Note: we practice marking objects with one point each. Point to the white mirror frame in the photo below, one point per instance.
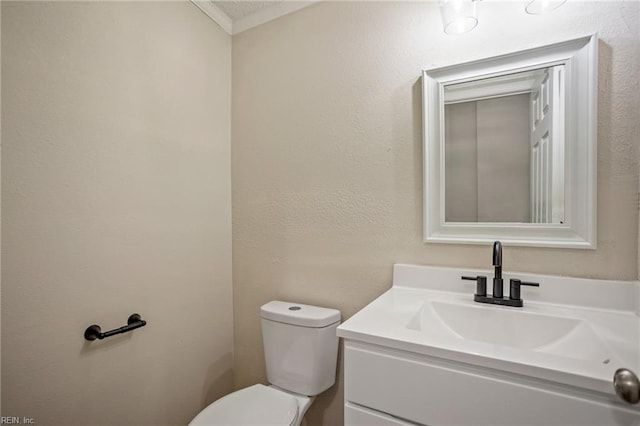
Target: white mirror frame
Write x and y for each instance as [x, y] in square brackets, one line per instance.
[579, 57]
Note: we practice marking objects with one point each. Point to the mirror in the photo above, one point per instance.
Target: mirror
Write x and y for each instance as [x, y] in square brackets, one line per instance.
[510, 148]
[504, 148]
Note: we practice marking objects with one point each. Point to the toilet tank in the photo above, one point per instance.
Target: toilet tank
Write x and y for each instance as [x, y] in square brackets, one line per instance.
[300, 346]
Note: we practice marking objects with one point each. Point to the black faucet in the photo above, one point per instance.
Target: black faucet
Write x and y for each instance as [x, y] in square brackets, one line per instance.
[497, 263]
[497, 297]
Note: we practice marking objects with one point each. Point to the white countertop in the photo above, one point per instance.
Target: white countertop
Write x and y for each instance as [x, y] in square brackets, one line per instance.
[608, 310]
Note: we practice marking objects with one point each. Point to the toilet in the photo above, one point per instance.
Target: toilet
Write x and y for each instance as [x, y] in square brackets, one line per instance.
[301, 351]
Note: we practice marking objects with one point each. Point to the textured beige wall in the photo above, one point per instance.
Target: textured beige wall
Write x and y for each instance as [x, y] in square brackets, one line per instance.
[327, 154]
[116, 199]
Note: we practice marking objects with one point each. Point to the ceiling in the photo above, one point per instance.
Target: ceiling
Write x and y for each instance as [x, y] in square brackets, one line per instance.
[237, 16]
[240, 9]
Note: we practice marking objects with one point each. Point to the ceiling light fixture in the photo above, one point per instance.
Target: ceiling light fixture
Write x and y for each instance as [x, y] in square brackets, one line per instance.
[459, 16]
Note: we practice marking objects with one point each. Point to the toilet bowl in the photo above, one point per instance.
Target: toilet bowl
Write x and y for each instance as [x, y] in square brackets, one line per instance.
[301, 349]
[255, 405]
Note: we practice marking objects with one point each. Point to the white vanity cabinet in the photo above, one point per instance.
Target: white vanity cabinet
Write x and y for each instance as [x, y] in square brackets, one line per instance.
[386, 386]
[426, 353]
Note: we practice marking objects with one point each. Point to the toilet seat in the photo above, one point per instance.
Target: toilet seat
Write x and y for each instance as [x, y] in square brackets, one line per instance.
[255, 405]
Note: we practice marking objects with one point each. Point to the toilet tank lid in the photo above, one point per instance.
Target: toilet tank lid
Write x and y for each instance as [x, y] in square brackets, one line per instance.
[299, 314]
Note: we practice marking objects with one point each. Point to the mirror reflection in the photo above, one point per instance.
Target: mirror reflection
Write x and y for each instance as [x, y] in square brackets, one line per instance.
[504, 148]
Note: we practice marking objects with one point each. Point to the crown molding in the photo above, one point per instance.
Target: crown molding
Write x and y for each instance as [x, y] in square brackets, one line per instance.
[253, 20]
[216, 14]
[269, 14]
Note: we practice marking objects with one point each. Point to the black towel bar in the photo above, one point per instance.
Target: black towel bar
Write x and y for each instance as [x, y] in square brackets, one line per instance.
[94, 331]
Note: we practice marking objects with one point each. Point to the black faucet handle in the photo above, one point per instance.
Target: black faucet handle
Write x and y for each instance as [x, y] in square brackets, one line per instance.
[514, 287]
[481, 284]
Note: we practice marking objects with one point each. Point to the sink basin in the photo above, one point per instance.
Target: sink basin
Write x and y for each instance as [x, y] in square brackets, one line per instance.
[509, 327]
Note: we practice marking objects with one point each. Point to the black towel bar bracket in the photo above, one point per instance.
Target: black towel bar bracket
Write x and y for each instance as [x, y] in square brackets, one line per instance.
[94, 331]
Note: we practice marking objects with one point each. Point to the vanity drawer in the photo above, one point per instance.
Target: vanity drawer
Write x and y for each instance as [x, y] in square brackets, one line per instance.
[355, 415]
[438, 392]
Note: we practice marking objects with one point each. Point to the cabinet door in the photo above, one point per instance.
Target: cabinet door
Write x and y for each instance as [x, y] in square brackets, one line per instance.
[437, 392]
